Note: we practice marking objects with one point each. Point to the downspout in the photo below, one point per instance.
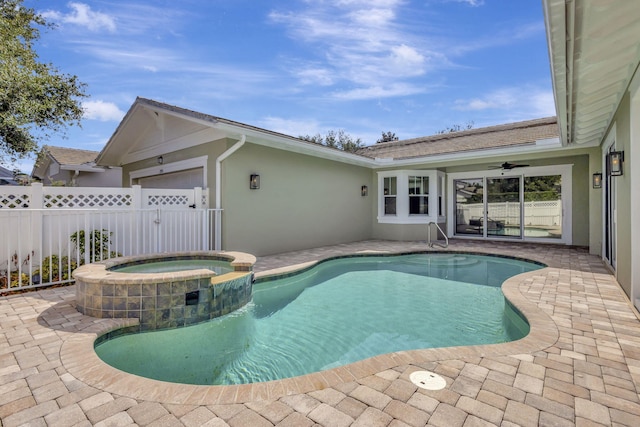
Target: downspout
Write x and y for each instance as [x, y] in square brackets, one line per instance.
[218, 223]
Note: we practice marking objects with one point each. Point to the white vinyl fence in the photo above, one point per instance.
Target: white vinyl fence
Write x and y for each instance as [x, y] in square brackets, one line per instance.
[539, 213]
[46, 232]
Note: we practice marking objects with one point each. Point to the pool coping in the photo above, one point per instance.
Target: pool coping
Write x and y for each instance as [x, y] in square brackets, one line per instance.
[79, 358]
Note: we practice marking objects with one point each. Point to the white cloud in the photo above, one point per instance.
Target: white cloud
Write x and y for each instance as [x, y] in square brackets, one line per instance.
[377, 92]
[83, 16]
[102, 111]
[315, 75]
[528, 101]
[473, 3]
[291, 127]
[358, 43]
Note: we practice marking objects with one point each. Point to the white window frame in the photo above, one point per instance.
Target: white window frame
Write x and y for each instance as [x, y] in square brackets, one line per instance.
[566, 171]
[402, 216]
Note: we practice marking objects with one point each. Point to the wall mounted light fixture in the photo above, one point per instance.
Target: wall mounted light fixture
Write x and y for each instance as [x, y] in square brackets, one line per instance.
[364, 190]
[254, 181]
[160, 160]
[616, 158]
[597, 180]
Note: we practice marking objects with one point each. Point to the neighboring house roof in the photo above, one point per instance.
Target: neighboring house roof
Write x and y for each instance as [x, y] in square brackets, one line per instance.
[493, 137]
[71, 156]
[67, 158]
[594, 53]
[5, 173]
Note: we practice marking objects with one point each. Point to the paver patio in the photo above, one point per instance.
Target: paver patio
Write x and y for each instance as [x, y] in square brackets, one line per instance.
[580, 365]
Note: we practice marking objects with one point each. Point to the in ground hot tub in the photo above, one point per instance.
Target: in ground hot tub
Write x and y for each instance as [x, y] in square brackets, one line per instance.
[165, 290]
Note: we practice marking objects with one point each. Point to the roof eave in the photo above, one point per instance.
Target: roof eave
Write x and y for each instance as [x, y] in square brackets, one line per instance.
[487, 153]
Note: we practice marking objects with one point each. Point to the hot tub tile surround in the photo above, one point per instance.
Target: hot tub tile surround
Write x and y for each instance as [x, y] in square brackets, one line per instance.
[164, 300]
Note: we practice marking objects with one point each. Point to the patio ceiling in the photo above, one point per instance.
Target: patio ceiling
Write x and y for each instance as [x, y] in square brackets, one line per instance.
[594, 53]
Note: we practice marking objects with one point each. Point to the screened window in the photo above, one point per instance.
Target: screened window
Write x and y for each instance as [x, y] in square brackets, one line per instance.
[390, 195]
[418, 195]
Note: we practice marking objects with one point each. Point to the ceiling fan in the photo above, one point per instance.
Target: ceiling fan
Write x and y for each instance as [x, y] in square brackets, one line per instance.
[508, 166]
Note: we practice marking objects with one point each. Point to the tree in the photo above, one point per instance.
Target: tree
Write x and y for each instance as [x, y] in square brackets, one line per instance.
[455, 128]
[340, 140]
[35, 98]
[387, 137]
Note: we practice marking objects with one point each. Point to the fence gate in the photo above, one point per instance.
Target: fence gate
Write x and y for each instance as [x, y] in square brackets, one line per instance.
[46, 232]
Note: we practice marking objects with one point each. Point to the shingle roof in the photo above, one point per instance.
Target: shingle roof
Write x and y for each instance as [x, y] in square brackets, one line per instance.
[507, 135]
[71, 156]
[5, 173]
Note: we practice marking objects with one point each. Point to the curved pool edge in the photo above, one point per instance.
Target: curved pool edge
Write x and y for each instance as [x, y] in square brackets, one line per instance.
[79, 358]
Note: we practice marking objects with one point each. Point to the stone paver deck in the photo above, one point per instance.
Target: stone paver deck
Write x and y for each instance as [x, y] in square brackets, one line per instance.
[580, 365]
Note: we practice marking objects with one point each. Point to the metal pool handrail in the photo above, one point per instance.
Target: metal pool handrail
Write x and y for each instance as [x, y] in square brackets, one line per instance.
[432, 244]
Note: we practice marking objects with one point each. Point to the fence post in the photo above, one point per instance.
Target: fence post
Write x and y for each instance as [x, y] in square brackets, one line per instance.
[136, 220]
[36, 205]
[197, 197]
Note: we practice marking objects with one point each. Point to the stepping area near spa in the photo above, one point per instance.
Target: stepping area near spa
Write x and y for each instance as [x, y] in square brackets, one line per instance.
[579, 366]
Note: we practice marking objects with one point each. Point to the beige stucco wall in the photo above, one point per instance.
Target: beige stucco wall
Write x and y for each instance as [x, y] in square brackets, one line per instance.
[580, 197]
[303, 202]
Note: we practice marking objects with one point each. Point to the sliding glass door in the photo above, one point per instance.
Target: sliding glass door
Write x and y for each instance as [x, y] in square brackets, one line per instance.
[469, 210]
[504, 207]
[510, 207]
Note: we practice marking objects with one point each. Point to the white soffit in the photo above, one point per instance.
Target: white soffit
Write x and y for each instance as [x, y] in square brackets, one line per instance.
[595, 51]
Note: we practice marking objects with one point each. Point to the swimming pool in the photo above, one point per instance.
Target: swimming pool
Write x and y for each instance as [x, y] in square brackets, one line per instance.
[338, 312]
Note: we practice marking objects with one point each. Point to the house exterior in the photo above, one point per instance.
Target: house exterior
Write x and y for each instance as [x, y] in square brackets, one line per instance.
[594, 48]
[72, 167]
[530, 181]
[6, 177]
[311, 195]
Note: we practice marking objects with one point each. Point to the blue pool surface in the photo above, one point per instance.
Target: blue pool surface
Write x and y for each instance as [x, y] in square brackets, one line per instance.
[338, 312]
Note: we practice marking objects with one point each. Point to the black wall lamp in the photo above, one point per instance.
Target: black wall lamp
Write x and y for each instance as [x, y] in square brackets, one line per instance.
[364, 190]
[597, 180]
[616, 158]
[254, 181]
[160, 160]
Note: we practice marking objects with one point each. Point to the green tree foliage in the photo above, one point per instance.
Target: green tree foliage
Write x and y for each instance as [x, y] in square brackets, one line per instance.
[35, 98]
[539, 188]
[336, 139]
[387, 137]
[455, 128]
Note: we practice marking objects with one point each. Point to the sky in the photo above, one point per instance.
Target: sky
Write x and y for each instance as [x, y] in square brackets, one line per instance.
[303, 67]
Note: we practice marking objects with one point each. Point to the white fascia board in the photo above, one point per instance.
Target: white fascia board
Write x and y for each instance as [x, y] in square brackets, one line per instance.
[479, 154]
[293, 145]
[81, 168]
[179, 115]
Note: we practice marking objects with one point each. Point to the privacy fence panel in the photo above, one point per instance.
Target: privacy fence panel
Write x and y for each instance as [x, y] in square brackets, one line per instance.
[46, 232]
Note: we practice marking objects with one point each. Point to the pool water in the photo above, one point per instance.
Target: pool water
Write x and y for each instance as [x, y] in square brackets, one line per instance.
[339, 312]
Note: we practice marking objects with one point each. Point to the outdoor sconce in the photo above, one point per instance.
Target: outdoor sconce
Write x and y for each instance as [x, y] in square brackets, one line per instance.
[254, 181]
[160, 160]
[597, 180]
[364, 190]
[616, 158]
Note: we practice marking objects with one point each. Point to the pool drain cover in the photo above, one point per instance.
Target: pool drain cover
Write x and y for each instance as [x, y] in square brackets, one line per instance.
[428, 380]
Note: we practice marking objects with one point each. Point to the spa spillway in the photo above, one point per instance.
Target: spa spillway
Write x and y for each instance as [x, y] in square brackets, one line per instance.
[165, 290]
